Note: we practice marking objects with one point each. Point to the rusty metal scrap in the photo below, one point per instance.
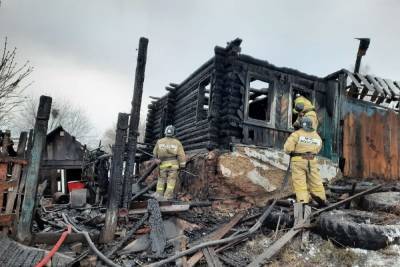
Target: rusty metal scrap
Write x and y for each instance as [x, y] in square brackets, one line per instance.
[370, 145]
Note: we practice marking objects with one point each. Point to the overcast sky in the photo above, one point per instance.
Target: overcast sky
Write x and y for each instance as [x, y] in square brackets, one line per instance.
[85, 51]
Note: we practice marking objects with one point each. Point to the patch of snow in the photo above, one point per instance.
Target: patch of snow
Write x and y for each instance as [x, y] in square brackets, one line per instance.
[358, 250]
[392, 233]
[327, 169]
[378, 258]
[312, 251]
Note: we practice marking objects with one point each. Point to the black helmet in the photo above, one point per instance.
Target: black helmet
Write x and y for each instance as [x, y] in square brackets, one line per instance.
[306, 124]
[169, 131]
[299, 106]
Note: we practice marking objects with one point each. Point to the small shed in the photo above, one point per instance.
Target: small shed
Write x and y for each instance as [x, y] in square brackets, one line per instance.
[62, 160]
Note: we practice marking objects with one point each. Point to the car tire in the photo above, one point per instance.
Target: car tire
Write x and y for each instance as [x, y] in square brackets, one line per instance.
[360, 229]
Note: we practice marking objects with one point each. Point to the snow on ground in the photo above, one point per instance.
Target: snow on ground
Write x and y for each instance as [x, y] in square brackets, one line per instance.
[320, 252]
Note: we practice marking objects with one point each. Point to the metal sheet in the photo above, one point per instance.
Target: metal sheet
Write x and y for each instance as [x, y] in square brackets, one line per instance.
[371, 146]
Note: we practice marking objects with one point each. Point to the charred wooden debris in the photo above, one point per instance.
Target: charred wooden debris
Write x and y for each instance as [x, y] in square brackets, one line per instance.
[232, 205]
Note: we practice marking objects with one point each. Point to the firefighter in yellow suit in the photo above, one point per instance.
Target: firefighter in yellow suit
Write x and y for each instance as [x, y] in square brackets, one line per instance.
[304, 108]
[303, 145]
[169, 151]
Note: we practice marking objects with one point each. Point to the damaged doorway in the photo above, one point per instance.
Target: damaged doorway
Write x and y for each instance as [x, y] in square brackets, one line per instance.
[259, 99]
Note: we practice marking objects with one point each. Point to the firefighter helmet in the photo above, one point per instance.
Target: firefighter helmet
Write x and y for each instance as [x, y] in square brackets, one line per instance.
[306, 124]
[169, 131]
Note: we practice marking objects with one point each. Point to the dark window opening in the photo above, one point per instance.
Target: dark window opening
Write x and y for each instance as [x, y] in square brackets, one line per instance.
[259, 100]
[207, 89]
[203, 107]
[251, 135]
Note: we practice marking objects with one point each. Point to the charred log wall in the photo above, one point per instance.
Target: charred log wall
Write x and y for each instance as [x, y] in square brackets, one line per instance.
[191, 108]
[211, 106]
[156, 119]
[187, 107]
[234, 72]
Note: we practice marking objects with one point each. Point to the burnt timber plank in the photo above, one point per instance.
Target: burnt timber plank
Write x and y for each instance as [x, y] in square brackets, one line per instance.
[384, 86]
[367, 85]
[274, 248]
[376, 85]
[32, 176]
[3, 177]
[218, 234]
[211, 257]
[183, 244]
[305, 234]
[111, 251]
[16, 173]
[157, 234]
[393, 88]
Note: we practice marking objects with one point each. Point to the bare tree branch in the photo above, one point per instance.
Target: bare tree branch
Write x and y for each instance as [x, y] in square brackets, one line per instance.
[11, 77]
[72, 118]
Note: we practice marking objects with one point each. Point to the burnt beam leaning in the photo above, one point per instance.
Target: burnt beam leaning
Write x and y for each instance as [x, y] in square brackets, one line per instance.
[24, 233]
[134, 120]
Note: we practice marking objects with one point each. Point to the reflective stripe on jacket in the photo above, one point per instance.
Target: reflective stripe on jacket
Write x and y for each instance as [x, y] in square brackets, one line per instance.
[171, 153]
[302, 142]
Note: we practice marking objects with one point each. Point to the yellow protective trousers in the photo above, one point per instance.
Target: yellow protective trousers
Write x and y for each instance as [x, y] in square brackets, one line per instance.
[168, 176]
[306, 179]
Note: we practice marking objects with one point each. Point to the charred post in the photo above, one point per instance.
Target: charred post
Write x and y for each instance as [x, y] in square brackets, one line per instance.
[115, 185]
[157, 234]
[32, 177]
[134, 120]
[362, 50]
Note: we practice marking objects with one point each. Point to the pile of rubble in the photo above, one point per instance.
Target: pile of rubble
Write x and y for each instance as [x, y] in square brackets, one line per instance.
[217, 233]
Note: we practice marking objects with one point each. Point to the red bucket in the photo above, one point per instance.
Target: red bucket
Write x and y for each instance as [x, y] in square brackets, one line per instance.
[74, 185]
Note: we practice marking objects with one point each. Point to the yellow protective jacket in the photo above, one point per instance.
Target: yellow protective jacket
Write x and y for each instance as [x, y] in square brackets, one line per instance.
[302, 141]
[309, 111]
[171, 153]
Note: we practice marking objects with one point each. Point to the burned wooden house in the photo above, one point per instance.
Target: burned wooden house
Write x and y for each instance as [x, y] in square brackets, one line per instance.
[62, 160]
[237, 99]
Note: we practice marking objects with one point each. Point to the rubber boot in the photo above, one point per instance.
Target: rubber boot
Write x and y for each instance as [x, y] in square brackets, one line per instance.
[321, 203]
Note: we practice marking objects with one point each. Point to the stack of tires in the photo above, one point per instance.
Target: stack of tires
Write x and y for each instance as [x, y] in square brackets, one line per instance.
[374, 227]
